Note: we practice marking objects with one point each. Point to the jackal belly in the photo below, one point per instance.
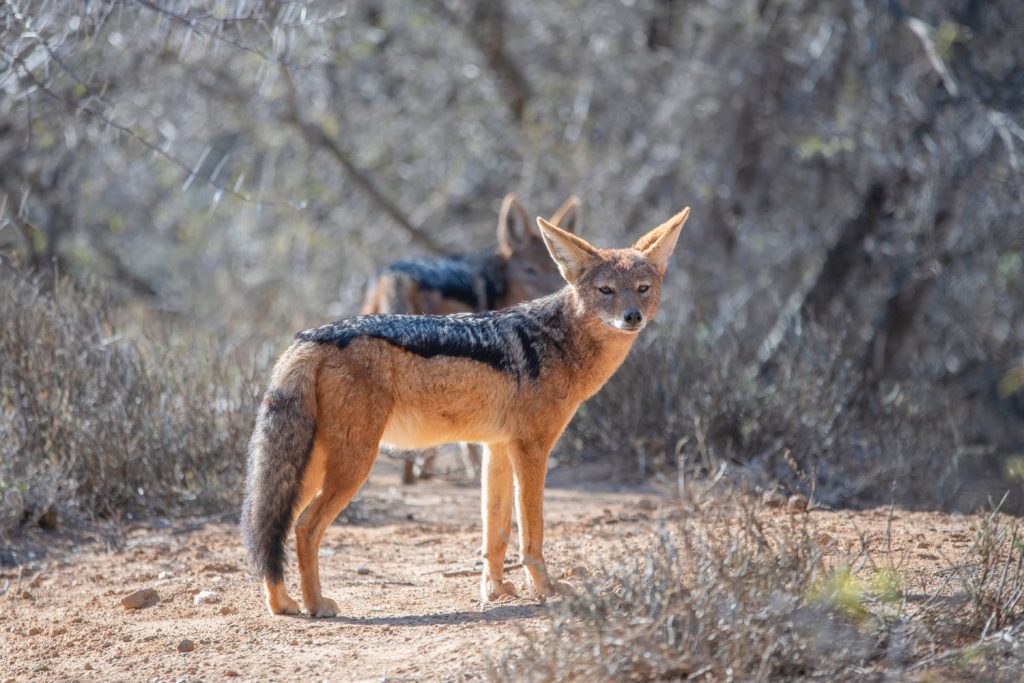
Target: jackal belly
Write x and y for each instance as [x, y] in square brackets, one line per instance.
[408, 428]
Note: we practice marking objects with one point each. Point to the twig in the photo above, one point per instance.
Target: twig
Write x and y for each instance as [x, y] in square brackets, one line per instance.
[383, 582]
[193, 24]
[1005, 634]
[925, 33]
[888, 519]
[151, 146]
[470, 571]
[196, 524]
[316, 136]
[486, 32]
[1004, 126]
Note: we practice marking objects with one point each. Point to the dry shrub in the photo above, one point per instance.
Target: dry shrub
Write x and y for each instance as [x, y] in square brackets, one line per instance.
[722, 594]
[683, 400]
[716, 599]
[92, 423]
[995, 582]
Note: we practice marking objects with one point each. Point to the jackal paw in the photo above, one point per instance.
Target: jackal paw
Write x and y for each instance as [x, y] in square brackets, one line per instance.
[549, 589]
[324, 607]
[282, 604]
[494, 591]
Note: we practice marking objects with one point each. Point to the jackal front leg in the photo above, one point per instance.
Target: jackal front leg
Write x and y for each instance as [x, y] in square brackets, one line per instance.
[530, 469]
[347, 468]
[496, 509]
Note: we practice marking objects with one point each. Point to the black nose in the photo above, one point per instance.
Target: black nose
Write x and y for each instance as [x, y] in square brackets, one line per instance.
[633, 316]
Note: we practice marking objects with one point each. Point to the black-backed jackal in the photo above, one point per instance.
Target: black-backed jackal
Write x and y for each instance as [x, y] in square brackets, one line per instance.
[518, 270]
[510, 379]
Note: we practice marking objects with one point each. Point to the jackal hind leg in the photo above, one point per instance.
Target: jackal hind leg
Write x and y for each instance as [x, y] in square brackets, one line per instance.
[425, 463]
[278, 599]
[470, 455]
[408, 470]
[348, 465]
[496, 509]
[417, 465]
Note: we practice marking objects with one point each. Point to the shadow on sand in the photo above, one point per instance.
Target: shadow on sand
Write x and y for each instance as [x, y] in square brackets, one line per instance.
[497, 613]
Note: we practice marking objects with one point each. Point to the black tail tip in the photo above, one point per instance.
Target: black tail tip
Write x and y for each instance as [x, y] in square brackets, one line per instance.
[265, 547]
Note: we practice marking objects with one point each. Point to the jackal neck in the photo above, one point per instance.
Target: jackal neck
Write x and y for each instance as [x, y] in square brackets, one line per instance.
[595, 350]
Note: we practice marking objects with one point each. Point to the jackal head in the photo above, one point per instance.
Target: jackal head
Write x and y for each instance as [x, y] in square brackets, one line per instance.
[619, 287]
[529, 271]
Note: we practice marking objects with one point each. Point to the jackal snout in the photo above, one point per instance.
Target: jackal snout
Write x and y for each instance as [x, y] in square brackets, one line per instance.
[632, 318]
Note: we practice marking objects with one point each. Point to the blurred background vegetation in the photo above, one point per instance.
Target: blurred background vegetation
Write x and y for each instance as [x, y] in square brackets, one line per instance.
[184, 184]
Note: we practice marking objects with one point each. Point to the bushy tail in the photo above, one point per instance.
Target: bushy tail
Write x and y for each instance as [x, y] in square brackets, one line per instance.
[278, 454]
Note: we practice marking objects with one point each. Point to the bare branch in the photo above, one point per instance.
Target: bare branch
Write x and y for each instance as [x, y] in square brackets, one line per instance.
[148, 144]
[193, 24]
[812, 303]
[316, 136]
[486, 32]
[122, 272]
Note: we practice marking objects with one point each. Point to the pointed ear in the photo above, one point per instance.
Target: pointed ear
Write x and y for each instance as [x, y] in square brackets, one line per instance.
[568, 215]
[572, 254]
[514, 231]
[658, 244]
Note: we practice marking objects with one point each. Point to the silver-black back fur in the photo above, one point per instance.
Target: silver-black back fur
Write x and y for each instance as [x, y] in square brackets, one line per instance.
[477, 280]
[514, 340]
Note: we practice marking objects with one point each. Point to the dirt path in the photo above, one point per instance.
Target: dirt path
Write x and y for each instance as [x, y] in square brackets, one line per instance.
[403, 619]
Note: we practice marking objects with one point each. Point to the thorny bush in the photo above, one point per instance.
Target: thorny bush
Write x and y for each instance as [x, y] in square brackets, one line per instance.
[93, 424]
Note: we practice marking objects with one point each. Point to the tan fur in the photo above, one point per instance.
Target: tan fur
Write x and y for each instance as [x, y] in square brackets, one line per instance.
[372, 392]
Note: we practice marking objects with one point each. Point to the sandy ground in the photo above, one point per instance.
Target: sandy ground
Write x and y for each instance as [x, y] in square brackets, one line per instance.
[403, 619]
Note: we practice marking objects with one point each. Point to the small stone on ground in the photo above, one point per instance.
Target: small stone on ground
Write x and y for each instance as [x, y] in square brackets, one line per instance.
[145, 597]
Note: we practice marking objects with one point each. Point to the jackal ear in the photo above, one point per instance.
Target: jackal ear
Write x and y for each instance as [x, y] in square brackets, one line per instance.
[572, 254]
[568, 215]
[514, 230]
[658, 244]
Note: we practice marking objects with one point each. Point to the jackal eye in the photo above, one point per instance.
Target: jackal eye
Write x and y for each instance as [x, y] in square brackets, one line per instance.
[643, 288]
[605, 289]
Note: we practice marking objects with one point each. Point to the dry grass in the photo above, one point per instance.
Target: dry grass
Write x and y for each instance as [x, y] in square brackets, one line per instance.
[712, 599]
[718, 595]
[995, 583]
[92, 423]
